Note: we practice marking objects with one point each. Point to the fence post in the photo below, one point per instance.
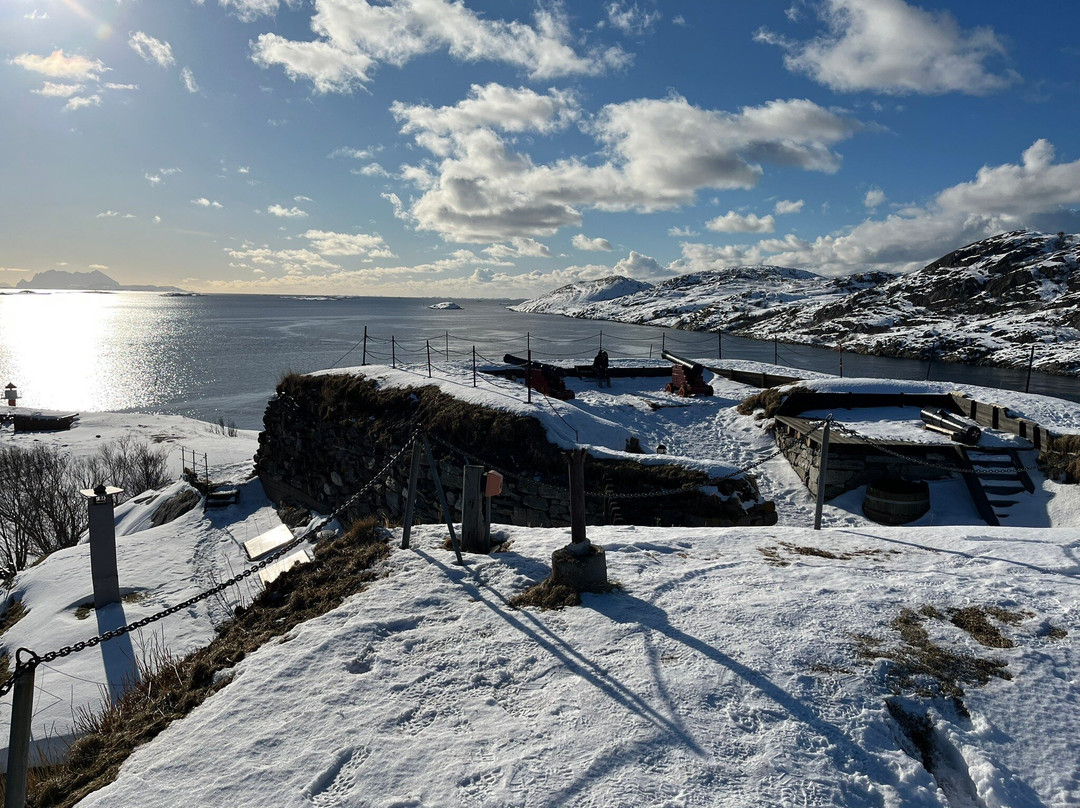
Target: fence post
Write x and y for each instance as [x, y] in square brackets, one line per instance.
[1031, 361]
[446, 336]
[601, 339]
[363, 361]
[719, 344]
[474, 533]
[428, 344]
[448, 517]
[474, 366]
[841, 346]
[929, 363]
[22, 712]
[410, 500]
[775, 355]
[393, 352]
[823, 470]
[528, 376]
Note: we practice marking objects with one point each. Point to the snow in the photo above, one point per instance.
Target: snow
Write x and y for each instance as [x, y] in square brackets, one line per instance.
[723, 671]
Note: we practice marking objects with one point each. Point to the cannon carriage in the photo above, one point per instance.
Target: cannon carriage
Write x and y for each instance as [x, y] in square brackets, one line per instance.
[687, 377]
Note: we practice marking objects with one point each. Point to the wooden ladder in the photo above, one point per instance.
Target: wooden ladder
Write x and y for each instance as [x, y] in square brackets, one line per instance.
[994, 493]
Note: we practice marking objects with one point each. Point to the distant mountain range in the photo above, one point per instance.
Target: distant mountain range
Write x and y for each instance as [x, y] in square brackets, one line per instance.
[987, 303]
[84, 281]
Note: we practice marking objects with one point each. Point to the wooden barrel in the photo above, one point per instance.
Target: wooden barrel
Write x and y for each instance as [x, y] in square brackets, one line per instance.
[896, 502]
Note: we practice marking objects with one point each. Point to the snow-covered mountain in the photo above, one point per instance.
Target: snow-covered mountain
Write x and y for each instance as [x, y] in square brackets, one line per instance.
[583, 293]
[94, 280]
[986, 303]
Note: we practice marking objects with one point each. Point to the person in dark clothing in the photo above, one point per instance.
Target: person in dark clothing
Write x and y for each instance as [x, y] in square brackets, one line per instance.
[600, 365]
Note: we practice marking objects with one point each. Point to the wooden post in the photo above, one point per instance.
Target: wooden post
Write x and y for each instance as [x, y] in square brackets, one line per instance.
[393, 352]
[22, 711]
[447, 516]
[474, 366]
[576, 462]
[1031, 361]
[719, 344]
[363, 361]
[474, 534]
[775, 354]
[841, 346]
[929, 363]
[663, 342]
[823, 471]
[601, 339]
[428, 344]
[410, 501]
[446, 336]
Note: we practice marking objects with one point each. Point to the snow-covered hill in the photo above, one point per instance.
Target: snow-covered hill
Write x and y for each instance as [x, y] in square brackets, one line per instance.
[987, 303]
[583, 293]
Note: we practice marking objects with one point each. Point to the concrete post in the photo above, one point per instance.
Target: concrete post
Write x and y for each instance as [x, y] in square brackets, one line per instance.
[410, 500]
[474, 532]
[580, 565]
[22, 710]
[100, 501]
[576, 461]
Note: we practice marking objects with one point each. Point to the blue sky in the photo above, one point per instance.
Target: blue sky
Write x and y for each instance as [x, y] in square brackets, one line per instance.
[501, 149]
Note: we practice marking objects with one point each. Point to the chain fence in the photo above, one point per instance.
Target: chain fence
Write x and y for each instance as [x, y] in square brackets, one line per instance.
[33, 659]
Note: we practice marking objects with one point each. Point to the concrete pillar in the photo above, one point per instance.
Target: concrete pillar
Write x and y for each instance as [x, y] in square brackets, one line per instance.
[580, 565]
[474, 528]
[101, 501]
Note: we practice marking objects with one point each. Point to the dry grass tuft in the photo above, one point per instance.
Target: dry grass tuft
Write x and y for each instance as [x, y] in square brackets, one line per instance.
[170, 688]
[768, 400]
[546, 595]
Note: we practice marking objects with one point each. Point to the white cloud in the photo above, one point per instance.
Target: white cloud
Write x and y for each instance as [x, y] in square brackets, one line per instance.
[356, 35]
[36, 15]
[583, 242]
[289, 261]
[330, 243]
[78, 102]
[681, 232]
[54, 90]
[891, 47]
[203, 202]
[659, 154]
[59, 65]
[107, 214]
[631, 20]
[188, 79]
[248, 10]
[518, 248]
[786, 206]
[371, 170]
[153, 179]
[732, 222]
[356, 154]
[286, 213]
[101, 267]
[157, 220]
[113, 86]
[1037, 193]
[873, 198]
[641, 267]
[151, 49]
[300, 198]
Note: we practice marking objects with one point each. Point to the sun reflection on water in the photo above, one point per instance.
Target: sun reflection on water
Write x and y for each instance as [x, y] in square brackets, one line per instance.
[88, 351]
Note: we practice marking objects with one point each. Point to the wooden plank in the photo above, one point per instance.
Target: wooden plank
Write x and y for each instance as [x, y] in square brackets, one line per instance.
[270, 573]
[266, 543]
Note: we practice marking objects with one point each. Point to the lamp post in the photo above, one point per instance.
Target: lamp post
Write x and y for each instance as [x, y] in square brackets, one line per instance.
[100, 501]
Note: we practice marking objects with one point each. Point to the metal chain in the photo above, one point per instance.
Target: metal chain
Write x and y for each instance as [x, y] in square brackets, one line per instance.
[938, 466]
[67, 650]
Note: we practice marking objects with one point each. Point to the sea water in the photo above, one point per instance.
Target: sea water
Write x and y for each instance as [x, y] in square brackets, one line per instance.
[219, 356]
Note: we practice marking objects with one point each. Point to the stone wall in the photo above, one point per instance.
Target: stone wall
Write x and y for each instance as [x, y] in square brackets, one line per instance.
[325, 436]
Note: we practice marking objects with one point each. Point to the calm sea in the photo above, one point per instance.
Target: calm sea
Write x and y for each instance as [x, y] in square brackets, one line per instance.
[220, 356]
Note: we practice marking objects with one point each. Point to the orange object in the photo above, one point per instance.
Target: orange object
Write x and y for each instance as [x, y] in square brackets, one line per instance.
[492, 484]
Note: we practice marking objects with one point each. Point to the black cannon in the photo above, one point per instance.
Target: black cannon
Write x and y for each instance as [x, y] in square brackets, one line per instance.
[545, 379]
[686, 377]
[951, 424]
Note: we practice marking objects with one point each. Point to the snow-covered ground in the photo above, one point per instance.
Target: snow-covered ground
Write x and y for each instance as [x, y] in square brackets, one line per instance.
[732, 667]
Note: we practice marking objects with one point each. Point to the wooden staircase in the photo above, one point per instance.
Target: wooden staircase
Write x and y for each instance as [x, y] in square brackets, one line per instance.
[995, 478]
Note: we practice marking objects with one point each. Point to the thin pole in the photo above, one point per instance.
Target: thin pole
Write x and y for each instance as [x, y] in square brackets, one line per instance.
[601, 339]
[823, 470]
[428, 343]
[841, 345]
[446, 336]
[775, 359]
[719, 344]
[410, 501]
[447, 515]
[576, 466]
[393, 352]
[929, 363]
[528, 376]
[1031, 361]
[474, 366]
[663, 342]
[364, 360]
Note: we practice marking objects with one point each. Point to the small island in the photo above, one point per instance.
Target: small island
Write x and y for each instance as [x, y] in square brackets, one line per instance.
[445, 305]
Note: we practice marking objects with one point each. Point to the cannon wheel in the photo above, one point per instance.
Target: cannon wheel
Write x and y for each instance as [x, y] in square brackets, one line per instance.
[668, 388]
[683, 391]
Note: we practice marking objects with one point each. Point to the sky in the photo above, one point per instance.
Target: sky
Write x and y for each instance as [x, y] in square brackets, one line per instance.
[475, 148]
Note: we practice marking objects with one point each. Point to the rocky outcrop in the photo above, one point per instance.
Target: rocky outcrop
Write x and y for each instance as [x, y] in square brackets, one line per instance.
[326, 436]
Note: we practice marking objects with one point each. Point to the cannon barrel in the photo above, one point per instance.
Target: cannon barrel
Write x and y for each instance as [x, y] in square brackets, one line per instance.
[693, 367]
[950, 424]
[550, 370]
